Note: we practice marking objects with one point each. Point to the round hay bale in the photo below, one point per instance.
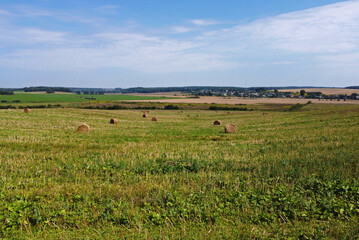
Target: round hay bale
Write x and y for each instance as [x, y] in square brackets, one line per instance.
[230, 128]
[265, 113]
[27, 110]
[217, 122]
[83, 128]
[114, 121]
[188, 115]
[154, 119]
[145, 115]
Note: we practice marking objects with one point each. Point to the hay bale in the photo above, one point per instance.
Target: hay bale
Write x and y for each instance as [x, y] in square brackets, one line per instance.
[228, 112]
[83, 128]
[217, 122]
[114, 121]
[145, 115]
[188, 115]
[230, 128]
[265, 113]
[154, 119]
[27, 110]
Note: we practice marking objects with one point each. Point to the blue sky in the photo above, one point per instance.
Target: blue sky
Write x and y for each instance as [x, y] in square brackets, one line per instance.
[179, 43]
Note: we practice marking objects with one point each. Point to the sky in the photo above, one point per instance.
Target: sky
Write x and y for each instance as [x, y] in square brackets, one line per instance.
[159, 43]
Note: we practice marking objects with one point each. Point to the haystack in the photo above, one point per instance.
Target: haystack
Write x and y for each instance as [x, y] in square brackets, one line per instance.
[217, 122]
[230, 128]
[114, 121]
[27, 110]
[145, 115]
[154, 119]
[83, 128]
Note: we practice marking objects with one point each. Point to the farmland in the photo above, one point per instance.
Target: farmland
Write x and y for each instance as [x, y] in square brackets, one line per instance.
[68, 98]
[249, 101]
[327, 91]
[285, 174]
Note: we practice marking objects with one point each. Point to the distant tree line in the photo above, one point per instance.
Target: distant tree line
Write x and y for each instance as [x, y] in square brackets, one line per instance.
[31, 106]
[47, 89]
[353, 87]
[6, 92]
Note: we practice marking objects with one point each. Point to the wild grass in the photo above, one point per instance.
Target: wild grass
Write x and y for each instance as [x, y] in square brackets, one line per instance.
[286, 174]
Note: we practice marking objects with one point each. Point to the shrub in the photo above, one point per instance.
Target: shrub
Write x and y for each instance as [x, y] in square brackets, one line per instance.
[295, 107]
[229, 108]
[171, 107]
[7, 107]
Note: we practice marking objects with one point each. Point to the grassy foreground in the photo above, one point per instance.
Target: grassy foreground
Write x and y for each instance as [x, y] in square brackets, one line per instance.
[287, 174]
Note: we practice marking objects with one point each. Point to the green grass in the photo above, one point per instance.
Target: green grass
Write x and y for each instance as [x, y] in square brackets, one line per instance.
[52, 98]
[287, 174]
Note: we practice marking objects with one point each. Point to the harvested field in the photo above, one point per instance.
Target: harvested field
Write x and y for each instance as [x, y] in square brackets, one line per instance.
[327, 91]
[182, 177]
[249, 101]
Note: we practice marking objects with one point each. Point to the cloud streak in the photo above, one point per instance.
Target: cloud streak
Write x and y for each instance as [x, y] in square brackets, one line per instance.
[204, 22]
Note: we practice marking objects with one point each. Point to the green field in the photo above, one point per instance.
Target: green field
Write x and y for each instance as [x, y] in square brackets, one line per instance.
[65, 98]
[282, 175]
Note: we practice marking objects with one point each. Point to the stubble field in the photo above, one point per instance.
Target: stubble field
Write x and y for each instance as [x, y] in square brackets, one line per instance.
[327, 91]
[249, 101]
[285, 174]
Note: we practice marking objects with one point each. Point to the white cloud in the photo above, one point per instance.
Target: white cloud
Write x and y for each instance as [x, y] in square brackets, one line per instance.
[40, 36]
[28, 36]
[331, 28]
[203, 22]
[131, 51]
